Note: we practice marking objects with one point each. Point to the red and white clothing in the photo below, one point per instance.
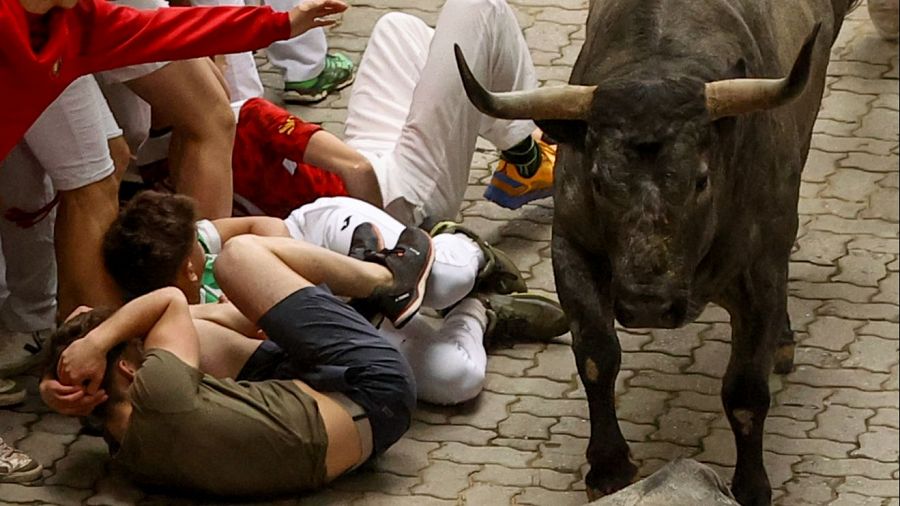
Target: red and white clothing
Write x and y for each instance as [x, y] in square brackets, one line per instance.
[97, 35]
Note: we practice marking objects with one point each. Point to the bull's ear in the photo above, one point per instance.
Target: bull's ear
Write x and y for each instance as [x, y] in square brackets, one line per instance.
[564, 131]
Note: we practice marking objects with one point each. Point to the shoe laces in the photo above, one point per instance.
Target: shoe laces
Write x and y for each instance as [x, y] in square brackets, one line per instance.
[38, 345]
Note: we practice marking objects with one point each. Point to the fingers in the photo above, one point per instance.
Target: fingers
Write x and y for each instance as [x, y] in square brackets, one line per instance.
[323, 22]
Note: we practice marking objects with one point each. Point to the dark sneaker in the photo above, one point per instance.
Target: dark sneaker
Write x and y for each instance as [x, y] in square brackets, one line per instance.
[338, 73]
[366, 242]
[499, 274]
[17, 467]
[410, 263]
[522, 317]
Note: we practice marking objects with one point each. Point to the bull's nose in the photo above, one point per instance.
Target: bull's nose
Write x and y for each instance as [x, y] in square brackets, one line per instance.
[650, 310]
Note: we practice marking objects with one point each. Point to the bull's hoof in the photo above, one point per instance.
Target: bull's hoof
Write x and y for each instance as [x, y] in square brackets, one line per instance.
[603, 481]
[749, 493]
[784, 358]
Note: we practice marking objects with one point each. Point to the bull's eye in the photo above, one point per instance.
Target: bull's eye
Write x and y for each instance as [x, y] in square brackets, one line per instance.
[701, 183]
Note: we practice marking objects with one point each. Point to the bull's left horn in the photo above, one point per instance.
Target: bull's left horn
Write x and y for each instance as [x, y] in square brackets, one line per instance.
[732, 97]
[553, 102]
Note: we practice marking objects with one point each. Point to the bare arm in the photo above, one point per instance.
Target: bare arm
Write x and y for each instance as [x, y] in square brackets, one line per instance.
[163, 316]
[255, 225]
[330, 153]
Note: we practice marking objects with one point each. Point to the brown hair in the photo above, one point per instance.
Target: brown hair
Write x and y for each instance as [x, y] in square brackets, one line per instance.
[69, 332]
[149, 241]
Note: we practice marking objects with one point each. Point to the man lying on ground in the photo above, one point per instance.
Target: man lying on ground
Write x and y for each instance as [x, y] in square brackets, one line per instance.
[339, 394]
[155, 243]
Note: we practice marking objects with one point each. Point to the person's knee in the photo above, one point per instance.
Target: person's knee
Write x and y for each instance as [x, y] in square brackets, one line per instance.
[392, 23]
[235, 256]
[455, 382]
[472, 6]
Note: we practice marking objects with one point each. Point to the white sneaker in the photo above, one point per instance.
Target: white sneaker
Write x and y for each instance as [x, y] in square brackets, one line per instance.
[20, 351]
[17, 467]
[10, 393]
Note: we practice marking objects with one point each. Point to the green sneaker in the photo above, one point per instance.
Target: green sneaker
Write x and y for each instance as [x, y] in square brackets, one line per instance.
[522, 317]
[338, 73]
[499, 274]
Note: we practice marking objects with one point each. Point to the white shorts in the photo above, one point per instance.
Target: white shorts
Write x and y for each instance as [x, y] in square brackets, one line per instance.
[69, 139]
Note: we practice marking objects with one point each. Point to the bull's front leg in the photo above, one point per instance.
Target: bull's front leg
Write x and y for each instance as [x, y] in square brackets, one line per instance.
[583, 288]
[758, 306]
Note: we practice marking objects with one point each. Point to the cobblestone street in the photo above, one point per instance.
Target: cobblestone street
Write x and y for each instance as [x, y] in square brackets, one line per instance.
[832, 432]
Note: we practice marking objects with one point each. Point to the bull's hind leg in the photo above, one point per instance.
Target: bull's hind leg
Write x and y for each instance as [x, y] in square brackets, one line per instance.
[583, 293]
[784, 349]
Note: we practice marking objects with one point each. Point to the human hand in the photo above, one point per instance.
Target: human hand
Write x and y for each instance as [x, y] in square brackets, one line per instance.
[83, 364]
[312, 14]
[70, 400]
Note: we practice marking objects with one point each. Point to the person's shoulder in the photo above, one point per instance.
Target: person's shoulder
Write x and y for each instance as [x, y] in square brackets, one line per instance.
[165, 383]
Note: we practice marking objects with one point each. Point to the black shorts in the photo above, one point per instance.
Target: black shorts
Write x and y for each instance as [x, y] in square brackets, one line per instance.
[318, 339]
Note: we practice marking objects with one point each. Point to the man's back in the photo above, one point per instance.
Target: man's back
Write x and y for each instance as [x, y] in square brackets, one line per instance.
[193, 431]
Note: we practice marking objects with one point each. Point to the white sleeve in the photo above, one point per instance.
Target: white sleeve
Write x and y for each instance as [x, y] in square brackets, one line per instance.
[208, 235]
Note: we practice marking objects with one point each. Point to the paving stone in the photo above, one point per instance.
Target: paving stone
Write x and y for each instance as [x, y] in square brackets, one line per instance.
[520, 478]
[464, 454]
[45, 447]
[889, 417]
[13, 425]
[677, 382]
[823, 466]
[486, 493]
[508, 366]
[820, 247]
[879, 124]
[851, 499]
[840, 423]
[683, 427]
[872, 353]
[862, 268]
[485, 412]
[711, 359]
[445, 479]
[872, 444]
[809, 490]
[550, 408]
[542, 497]
[379, 499]
[697, 402]
[525, 386]
[868, 487]
[888, 289]
[853, 378]
[459, 433]
[851, 310]
[848, 226]
[45, 494]
[524, 426]
[832, 333]
[556, 362]
[641, 405]
[374, 481]
[678, 342]
[84, 464]
[562, 453]
[406, 457]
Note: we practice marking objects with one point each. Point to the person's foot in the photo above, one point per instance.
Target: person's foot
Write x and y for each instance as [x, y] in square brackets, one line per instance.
[20, 351]
[499, 274]
[522, 317]
[338, 73]
[365, 242]
[410, 263]
[10, 393]
[17, 467]
[509, 189]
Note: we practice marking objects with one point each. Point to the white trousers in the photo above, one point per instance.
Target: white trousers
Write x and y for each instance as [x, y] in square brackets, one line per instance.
[447, 356]
[408, 112]
[65, 149]
[302, 57]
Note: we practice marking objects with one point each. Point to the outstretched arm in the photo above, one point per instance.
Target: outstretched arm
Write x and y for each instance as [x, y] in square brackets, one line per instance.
[162, 318]
[121, 36]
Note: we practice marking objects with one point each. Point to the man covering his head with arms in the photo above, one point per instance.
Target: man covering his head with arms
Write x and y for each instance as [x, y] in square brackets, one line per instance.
[341, 394]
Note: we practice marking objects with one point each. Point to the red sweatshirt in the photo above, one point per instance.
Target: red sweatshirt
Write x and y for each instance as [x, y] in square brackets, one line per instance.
[96, 35]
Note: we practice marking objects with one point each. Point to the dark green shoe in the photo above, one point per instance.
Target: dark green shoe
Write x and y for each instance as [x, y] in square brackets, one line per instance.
[338, 73]
[522, 317]
[499, 274]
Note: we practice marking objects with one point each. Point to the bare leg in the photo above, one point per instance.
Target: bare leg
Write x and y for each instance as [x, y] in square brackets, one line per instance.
[188, 95]
[83, 217]
[258, 272]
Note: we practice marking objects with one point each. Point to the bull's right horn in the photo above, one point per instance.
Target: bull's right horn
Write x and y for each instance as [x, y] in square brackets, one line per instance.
[554, 102]
[732, 97]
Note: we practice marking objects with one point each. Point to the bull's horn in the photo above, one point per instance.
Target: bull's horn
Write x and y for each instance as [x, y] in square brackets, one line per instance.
[741, 96]
[554, 102]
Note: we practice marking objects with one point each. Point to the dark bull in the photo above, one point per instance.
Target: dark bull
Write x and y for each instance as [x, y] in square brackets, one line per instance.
[683, 134]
